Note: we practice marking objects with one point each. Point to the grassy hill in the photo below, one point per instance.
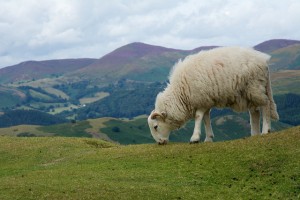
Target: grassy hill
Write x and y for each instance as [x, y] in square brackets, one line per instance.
[286, 58]
[262, 167]
[40, 69]
[10, 97]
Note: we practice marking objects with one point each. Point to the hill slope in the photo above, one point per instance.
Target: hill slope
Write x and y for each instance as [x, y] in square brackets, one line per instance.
[132, 61]
[272, 45]
[263, 167]
[40, 69]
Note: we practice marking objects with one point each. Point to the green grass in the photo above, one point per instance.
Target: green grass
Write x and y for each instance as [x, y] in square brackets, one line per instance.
[128, 132]
[38, 95]
[68, 129]
[263, 167]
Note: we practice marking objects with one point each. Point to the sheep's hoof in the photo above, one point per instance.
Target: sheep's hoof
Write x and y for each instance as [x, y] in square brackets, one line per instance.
[208, 139]
[194, 142]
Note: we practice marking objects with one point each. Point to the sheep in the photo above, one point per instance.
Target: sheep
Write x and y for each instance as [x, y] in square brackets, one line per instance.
[233, 77]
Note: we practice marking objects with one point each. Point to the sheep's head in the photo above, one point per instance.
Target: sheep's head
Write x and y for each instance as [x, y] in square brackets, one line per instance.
[159, 128]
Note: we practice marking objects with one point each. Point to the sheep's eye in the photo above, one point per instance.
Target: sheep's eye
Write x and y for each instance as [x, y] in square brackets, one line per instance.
[155, 127]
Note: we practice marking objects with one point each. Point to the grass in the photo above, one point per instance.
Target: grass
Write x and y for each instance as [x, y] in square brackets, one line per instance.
[97, 96]
[128, 131]
[68, 129]
[17, 130]
[262, 167]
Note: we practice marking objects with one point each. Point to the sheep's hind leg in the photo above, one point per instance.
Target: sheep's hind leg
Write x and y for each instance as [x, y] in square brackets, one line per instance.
[208, 129]
[197, 129]
[254, 121]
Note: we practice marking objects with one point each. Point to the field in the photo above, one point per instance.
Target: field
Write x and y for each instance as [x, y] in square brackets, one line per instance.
[261, 167]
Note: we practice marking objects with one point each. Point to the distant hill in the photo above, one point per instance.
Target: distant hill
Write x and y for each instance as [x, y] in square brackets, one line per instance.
[18, 117]
[272, 45]
[10, 97]
[30, 70]
[136, 61]
[286, 58]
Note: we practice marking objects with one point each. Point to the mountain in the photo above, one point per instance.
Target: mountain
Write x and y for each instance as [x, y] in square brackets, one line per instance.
[31, 70]
[135, 61]
[271, 45]
[286, 58]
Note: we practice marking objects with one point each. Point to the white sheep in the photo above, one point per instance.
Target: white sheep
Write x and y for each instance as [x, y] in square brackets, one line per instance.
[223, 77]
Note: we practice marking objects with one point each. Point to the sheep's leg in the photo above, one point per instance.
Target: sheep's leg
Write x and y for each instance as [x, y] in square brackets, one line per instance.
[208, 128]
[197, 129]
[266, 114]
[254, 121]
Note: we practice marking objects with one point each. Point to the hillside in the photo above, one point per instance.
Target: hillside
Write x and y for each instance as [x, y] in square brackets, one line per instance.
[262, 167]
[137, 61]
[272, 45]
[287, 58]
[31, 70]
[10, 97]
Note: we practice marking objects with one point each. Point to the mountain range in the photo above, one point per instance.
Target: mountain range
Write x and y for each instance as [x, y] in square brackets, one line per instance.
[136, 61]
[124, 83]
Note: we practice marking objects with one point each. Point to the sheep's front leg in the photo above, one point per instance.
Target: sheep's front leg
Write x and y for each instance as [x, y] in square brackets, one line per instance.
[266, 128]
[209, 132]
[197, 129]
[254, 121]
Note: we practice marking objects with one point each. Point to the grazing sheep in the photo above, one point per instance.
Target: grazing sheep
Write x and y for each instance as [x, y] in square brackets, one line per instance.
[223, 77]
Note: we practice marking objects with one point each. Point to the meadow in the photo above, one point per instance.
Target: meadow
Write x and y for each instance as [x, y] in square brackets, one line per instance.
[260, 167]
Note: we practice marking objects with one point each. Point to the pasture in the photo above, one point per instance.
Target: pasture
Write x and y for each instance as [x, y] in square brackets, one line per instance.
[260, 167]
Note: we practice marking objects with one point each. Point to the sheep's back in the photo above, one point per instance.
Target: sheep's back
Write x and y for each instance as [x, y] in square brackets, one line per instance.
[223, 77]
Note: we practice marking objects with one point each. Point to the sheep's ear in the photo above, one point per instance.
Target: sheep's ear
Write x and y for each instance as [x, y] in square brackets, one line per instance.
[162, 115]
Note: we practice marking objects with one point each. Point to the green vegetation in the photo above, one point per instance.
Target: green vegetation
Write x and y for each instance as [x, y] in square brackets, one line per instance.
[126, 99]
[10, 97]
[68, 130]
[286, 58]
[262, 167]
[128, 132]
[289, 108]
[33, 117]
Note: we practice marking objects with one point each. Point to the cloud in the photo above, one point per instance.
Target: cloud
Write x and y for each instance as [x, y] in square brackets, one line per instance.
[31, 30]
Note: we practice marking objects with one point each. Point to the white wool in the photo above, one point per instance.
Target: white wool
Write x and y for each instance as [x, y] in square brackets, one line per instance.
[223, 77]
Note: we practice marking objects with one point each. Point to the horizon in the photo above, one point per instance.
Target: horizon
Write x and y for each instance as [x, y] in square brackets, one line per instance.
[75, 29]
[74, 58]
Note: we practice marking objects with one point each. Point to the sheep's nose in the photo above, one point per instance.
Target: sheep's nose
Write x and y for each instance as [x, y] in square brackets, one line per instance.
[163, 142]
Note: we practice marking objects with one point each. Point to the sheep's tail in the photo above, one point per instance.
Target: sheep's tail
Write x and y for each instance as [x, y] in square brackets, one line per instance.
[273, 107]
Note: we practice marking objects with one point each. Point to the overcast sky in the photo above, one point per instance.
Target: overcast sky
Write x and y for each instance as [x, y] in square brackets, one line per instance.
[54, 29]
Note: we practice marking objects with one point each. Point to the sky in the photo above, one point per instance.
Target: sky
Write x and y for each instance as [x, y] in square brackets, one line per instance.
[57, 29]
